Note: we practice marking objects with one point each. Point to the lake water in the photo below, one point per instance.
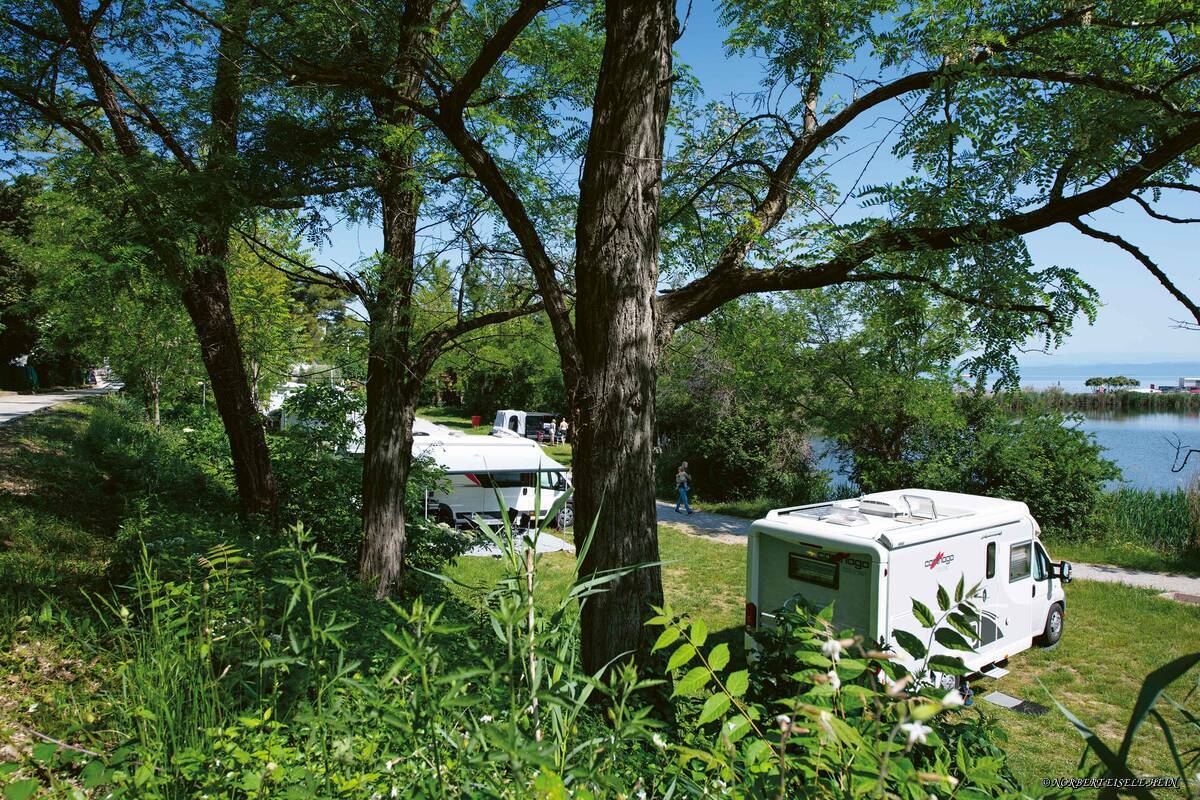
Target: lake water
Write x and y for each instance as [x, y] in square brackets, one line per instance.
[1137, 442]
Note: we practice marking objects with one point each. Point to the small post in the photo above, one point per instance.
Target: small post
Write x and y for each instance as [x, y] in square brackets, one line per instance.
[533, 700]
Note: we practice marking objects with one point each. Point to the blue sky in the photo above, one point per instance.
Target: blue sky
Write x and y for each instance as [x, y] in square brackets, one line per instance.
[1134, 323]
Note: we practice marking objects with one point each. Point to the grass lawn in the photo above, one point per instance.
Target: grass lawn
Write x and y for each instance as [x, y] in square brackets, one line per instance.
[452, 420]
[58, 514]
[1114, 636]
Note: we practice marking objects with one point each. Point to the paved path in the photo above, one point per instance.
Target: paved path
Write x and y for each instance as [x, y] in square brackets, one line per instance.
[713, 526]
[734, 530]
[14, 406]
[1162, 581]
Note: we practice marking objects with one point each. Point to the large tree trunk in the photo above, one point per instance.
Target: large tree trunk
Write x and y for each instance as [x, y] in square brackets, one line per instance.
[616, 279]
[393, 379]
[391, 409]
[206, 297]
[206, 285]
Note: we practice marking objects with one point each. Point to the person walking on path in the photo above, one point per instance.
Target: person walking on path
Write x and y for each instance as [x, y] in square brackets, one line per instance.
[683, 482]
[562, 431]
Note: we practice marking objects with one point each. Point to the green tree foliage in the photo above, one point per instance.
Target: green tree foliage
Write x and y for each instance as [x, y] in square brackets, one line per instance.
[1116, 382]
[16, 282]
[515, 366]
[274, 329]
[727, 394]
[886, 386]
[101, 296]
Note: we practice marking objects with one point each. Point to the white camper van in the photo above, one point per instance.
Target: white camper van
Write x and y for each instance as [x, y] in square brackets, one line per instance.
[528, 424]
[873, 556]
[485, 472]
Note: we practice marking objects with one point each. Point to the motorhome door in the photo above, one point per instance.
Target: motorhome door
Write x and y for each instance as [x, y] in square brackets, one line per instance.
[1043, 590]
[1006, 592]
[997, 628]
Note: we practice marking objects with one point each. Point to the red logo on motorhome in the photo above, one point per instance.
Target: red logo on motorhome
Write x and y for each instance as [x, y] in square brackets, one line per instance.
[940, 558]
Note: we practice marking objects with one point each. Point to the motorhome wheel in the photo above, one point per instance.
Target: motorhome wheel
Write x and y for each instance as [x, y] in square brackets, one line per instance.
[445, 515]
[1054, 626]
[565, 518]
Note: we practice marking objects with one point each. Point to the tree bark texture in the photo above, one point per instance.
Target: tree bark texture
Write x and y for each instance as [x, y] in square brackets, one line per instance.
[206, 297]
[206, 284]
[616, 279]
[391, 409]
[393, 379]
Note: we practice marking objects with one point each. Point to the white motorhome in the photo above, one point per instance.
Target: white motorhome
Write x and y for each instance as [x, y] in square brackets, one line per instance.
[489, 475]
[873, 556]
[527, 424]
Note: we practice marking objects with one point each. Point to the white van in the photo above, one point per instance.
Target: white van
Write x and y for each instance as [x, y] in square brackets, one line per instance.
[873, 556]
[527, 424]
[489, 475]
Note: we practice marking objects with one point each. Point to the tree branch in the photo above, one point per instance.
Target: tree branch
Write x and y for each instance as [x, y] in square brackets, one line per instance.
[953, 294]
[719, 286]
[491, 53]
[307, 273]
[435, 343]
[1145, 261]
[516, 215]
[1149, 209]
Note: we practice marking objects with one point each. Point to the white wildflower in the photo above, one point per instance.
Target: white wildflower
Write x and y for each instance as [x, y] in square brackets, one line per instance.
[659, 741]
[953, 699]
[784, 721]
[486, 718]
[641, 794]
[834, 680]
[916, 732]
[833, 649]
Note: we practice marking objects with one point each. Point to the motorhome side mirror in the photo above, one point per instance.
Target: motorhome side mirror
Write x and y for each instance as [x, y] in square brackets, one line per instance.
[1064, 571]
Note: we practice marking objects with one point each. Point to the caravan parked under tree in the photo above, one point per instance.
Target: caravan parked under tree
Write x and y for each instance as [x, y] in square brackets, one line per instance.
[488, 476]
[873, 556]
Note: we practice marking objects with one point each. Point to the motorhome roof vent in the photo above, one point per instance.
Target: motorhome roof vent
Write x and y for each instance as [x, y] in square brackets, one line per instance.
[846, 517]
[909, 508]
[878, 508]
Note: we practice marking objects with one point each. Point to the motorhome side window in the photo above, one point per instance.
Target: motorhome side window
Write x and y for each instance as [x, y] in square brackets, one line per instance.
[553, 480]
[1019, 561]
[1041, 564]
[991, 559]
[505, 480]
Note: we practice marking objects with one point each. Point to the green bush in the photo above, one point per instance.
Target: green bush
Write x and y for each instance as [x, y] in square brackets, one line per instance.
[528, 384]
[739, 455]
[1042, 459]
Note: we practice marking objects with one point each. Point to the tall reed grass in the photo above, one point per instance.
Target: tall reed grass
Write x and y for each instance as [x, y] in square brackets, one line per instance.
[1058, 400]
[1166, 521]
